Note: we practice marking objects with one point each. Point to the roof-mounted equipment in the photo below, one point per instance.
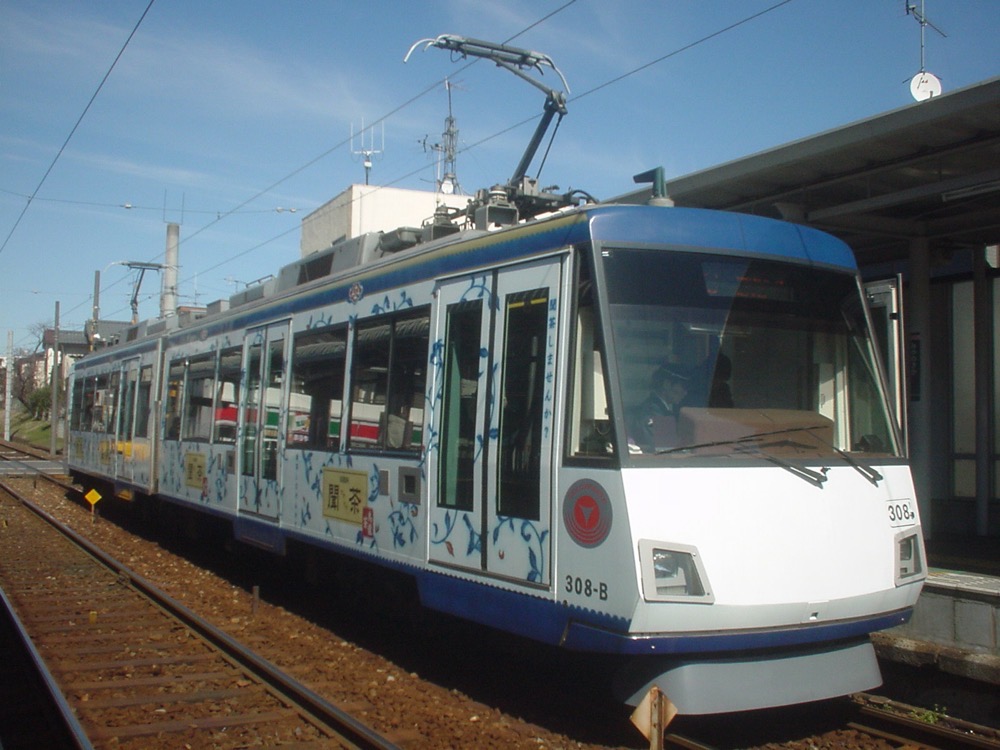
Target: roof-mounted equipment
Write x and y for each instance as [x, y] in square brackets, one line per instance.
[520, 198]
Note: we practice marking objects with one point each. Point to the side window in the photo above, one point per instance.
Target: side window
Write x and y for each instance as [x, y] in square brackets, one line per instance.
[227, 395]
[521, 410]
[369, 382]
[172, 413]
[317, 389]
[274, 372]
[111, 403]
[76, 417]
[590, 428]
[388, 382]
[408, 381]
[87, 419]
[143, 402]
[128, 404]
[102, 405]
[251, 414]
[462, 358]
[198, 397]
[263, 401]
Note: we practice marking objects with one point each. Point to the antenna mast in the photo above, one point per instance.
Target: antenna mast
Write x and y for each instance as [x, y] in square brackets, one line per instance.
[367, 153]
[447, 182]
[923, 85]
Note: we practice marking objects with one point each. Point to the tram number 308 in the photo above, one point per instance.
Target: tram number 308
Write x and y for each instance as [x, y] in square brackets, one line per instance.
[586, 587]
[901, 512]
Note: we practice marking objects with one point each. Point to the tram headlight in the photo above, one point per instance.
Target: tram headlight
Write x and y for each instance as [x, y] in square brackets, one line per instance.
[673, 572]
[909, 556]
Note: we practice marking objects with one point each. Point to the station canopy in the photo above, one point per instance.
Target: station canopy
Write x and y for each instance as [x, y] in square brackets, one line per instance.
[927, 170]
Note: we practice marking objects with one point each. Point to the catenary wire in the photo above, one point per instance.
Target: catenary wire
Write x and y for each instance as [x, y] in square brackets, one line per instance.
[320, 157]
[476, 144]
[381, 119]
[83, 114]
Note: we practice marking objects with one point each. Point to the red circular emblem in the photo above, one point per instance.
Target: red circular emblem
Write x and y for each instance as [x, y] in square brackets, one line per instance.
[587, 513]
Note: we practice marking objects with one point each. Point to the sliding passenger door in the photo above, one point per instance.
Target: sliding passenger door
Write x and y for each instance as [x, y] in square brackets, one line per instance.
[125, 469]
[263, 417]
[490, 456]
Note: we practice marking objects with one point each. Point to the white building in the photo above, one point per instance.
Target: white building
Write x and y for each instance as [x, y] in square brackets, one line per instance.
[369, 208]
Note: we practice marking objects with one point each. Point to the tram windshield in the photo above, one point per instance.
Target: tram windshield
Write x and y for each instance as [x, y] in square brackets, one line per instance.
[722, 355]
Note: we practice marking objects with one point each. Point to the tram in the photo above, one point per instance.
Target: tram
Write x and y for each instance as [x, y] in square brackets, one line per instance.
[653, 432]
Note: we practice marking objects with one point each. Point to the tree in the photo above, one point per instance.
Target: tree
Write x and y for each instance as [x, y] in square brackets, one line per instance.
[39, 402]
[27, 374]
[22, 376]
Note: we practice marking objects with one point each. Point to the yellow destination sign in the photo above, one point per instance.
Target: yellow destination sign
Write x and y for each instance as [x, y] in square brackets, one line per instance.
[345, 494]
[194, 470]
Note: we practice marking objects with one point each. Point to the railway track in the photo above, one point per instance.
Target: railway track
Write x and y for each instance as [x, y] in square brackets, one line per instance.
[140, 670]
[19, 459]
[33, 713]
[859, 721]
[908, 726]
[868, 724]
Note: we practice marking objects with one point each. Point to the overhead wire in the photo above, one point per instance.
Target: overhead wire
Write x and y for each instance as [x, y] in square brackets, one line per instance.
[138, 207]
[610, 82]
[83, 114]
[220, 215]
[629, 73]
[514, 126]
[238, 209]
[679, 50]
[338, 146]
[380, 120]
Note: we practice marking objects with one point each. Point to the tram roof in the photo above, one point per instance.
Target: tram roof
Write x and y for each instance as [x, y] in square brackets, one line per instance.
[927, 170]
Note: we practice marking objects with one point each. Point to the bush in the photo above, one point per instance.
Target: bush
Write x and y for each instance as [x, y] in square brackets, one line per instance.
[39, 402]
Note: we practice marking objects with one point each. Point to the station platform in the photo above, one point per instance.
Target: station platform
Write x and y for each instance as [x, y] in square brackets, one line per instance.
[956, 623]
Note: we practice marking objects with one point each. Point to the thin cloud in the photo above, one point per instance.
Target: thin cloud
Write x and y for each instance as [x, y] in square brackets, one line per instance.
[153, 172]
[58, 39]
[218, 75]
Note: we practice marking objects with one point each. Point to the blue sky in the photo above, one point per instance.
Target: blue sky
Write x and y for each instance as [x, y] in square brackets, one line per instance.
[219, 113]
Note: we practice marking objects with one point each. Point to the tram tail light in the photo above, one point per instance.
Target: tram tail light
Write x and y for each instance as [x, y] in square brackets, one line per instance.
[673, 573]
[909, 556]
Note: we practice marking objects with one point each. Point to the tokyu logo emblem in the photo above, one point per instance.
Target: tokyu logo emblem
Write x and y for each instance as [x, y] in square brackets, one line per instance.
[587, 513]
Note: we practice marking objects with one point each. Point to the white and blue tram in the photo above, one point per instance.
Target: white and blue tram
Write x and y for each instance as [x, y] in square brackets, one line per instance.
[467, 410]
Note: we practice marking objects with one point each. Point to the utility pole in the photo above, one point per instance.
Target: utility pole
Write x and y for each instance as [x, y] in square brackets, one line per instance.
[9, 384]
[54, 416]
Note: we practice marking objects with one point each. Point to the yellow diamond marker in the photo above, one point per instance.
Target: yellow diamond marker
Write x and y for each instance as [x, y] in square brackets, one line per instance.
[92, 497]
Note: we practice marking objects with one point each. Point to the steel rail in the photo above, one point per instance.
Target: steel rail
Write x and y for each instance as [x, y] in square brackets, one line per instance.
[890, 717]
[75, 733]
[324, 713]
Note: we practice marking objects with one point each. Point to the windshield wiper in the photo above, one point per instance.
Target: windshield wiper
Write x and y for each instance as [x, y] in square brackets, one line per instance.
[755, 437]
[745, 444]
[815, 478]
[868, 472]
